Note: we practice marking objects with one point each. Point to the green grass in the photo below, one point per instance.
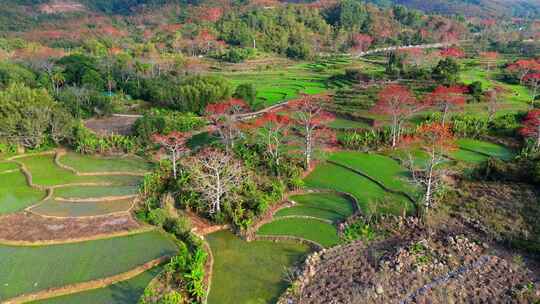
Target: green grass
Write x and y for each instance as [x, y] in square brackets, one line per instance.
[15, 194]
[92, 192]
[45, 172]
[326, 206]
[329, 176]
[274, 86]
[485, 147]
[468, 156]
[6, 166]
[342, 123]
[379, 167]
[52, 207]
[250, 273]
[315, 230]
[91, 163]
[419, 157]
[35, 268]
[128, 291]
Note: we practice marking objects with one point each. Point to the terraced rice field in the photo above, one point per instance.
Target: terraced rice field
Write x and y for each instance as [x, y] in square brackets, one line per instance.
[487, 148]
[34, 268]
[94, 191]
[332, 177]
[250, 272]
[345, 124]
[46, 173]
[326, 206]
[316, 230]
[274, 86]
[58, 208]
[90, 163]
[379, 167]
[15, 194]
[128, 291]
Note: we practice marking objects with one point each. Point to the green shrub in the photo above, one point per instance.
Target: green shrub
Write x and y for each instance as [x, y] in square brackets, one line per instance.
[157, 217]
[246, 92]
[165, 121]
[470, 126]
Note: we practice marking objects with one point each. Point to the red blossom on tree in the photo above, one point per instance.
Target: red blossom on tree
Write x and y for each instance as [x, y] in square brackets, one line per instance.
[452, 52]
[211, 14]
[273, 129]
[361, 42]
[223, 116]
[174, 143]
[531, 126]
[447, 99]
[311, 117]
[437, 140]
[523, 67]
[399, 103]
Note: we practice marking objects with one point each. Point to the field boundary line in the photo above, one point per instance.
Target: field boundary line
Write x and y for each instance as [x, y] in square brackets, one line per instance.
[280, 238]
[59, 153]
[95, 199]
[89, 285]
[481, 153]
[380, 184]
[304, 217]
[12, 158]
[95, 237]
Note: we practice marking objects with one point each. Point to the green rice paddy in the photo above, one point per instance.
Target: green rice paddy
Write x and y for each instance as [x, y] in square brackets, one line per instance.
[53, 207]
[128, 291]
[34, 268]
[487, 148]
[250, 273]
[327, 206]
[94, 191]
[315, 230]
[15, 194]
[379, 167]
[333, 177]
[8, 166]
[91, 163]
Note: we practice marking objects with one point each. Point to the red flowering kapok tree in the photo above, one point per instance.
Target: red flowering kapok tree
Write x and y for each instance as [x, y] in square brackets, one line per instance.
[399, 103]
[174, 143]
[223, 116]
[489, 59]
[452, 52]
[361, 42]
[311, 118]
[447, 99]
[531, 126]
[522, 68]
[437, 140]
[272, 131]
[533, 82]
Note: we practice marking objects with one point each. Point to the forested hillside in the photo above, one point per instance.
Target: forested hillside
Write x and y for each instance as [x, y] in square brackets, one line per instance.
[470, 8]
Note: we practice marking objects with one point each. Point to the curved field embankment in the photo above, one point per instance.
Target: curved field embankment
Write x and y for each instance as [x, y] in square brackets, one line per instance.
[50, 270]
